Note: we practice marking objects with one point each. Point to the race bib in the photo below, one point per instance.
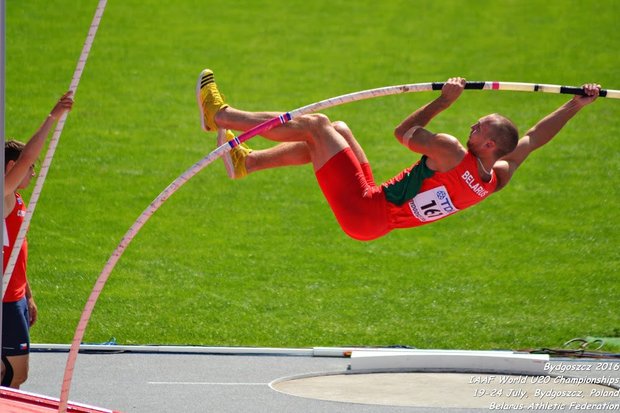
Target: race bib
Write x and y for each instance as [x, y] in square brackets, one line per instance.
[432, 205]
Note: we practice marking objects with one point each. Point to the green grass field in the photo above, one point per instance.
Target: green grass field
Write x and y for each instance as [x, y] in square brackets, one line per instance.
[262, 261]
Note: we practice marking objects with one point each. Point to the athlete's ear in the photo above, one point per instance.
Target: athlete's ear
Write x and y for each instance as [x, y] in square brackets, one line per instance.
[490, 144]
[9, 165]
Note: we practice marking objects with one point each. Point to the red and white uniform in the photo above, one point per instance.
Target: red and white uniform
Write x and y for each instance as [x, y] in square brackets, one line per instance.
[416, 196]
[16, 289]
[441, 194]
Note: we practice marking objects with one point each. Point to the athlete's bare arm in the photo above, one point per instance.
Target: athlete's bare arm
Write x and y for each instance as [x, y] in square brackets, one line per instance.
[14, 176]
[542, 133]
[443, 151]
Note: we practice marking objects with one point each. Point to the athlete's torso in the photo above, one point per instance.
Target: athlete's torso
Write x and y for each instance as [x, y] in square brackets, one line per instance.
[17, 286]
[418, 195]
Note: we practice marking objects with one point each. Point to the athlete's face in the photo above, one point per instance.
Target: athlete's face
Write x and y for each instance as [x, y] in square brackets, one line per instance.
[479, 134]
[26, 181]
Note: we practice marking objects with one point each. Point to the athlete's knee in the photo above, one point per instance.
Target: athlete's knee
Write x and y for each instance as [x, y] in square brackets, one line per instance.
[15, 371]
[315, 122]
[7, 372]
[19, 378]
[341, 127]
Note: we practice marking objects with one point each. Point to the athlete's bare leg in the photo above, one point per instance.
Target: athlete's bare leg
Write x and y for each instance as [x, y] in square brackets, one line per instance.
[231, 118]
[316, 130]
[344, 130]
[19, 364]
[297, 153]
[308, 138]
[283, 154]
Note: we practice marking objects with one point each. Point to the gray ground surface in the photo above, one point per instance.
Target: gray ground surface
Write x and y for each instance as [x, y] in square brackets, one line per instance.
[198, 383]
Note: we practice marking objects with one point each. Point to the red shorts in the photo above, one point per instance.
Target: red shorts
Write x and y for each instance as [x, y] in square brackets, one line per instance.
[357, 202]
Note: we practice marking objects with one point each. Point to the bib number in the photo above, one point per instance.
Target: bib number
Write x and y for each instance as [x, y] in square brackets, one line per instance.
[432, 205]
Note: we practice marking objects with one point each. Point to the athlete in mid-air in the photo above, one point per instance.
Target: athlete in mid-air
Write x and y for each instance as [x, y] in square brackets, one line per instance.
[448, 178]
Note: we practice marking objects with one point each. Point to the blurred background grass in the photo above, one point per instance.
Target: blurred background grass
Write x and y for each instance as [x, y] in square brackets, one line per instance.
[262, 261]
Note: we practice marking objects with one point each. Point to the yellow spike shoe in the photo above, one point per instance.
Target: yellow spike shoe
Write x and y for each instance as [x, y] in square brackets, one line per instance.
[210, 101]
[234, 160]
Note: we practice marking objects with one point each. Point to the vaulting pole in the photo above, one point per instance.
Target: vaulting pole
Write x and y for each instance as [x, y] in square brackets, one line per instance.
[2, 128]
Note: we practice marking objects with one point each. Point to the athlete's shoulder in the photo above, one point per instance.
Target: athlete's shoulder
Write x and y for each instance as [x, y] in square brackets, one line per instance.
[503, 173]
[447, 154]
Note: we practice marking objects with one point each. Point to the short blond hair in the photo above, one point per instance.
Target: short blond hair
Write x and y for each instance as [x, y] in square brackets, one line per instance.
[505, 134]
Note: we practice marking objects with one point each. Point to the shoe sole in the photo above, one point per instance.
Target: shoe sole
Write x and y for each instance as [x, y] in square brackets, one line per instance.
[221, 140]
[202, 118]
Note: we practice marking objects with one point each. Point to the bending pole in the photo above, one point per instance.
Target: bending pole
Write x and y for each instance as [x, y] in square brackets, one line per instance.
[263, 127]
[92, 31]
